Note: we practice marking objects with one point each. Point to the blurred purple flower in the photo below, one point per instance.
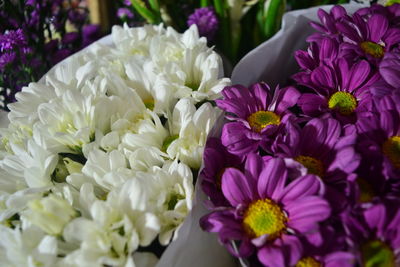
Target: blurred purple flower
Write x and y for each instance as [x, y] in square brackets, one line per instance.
[70, 38]
[206, 21]
[6, 58]
[90, 33]
[12, 39]
[124, 12]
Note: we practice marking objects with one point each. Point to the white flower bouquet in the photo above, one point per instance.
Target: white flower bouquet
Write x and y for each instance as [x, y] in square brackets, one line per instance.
[99, 159]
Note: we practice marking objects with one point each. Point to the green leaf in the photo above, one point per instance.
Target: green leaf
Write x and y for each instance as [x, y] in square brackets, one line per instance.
[147, 14]
[272, 17]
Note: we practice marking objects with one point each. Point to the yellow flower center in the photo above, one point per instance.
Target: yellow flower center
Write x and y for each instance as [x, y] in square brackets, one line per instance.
[261, 119]
[149, 103]
[264, 217]
[391, 2]
[377, 253]
[308, 262]
[372, 49]
[344, 102]
[313, 165]
[391, 149]
[367, 192]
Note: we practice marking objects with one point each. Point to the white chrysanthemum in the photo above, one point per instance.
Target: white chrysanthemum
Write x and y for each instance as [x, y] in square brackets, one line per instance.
[110, 230]
[32, 167]
[188, 131]
[169, 195]
[30, 247]
[50, 213]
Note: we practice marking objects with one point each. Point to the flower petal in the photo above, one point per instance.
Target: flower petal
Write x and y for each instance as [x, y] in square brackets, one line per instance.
[236, 187]
[272, 179]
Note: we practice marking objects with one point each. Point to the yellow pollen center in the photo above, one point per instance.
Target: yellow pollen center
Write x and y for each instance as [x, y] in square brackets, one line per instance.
[377, 253]
[367, 192]
[149, 103]
[261, 119]
[264, 217]
[308, 262]
[313, 165]
[344, 102]
[391, 149]
[373, 49]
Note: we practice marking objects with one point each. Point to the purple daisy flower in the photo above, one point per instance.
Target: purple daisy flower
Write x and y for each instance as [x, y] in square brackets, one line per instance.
[216, 160]
[256, 114]
[206, 21]
[371, 38]
[331, 155]
[374, 234]
[267, 214]
[391, 12]
[12, 39]
[328, 26]
[379, 134]
[340, 90]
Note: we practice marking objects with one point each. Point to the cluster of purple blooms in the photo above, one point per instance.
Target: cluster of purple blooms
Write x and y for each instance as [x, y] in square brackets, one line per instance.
[34, 36]
[309, 175]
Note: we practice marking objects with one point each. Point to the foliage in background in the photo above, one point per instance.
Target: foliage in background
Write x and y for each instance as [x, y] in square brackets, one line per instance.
[35, 35]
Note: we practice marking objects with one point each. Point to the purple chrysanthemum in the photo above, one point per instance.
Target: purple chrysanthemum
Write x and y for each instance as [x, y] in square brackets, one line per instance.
[216, 160]
[389, 69]
[12, 39]
[341, 90]
[374, 234]
[371, 38]
[206, 21]
[267, 214]
[328, 26]
[319, 53]
[331, 155]
[256, 114]
[379, 134]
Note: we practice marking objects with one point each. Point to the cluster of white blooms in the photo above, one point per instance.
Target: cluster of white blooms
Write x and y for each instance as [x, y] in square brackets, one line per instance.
[98, 160]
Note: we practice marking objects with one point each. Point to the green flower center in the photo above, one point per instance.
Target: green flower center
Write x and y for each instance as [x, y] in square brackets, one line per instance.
[376, 253]
[261, 119]
[391, 2]
[313, 165]
[344, 102]
[264, 217]
[308, 262]
[167, 142]
[149, 103]
[367, 192]
[372, 49]
[391, 149]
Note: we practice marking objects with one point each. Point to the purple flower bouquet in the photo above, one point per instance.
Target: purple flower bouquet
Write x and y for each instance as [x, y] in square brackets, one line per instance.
[306, 170]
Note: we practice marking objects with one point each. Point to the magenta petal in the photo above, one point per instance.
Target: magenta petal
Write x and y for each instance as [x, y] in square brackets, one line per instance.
[236, 187]
[260, 91]
[303, 186]
[254, 166]
[375, 217]
[272, 179]
[338, 11]
[305, 213]
[358, 75]
[234, 138]
[287, 98]
[271, 256]
[377, 25]
[312, 105]
[323, 77]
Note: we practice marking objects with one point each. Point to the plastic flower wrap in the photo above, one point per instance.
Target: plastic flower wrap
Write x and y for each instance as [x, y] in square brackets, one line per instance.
[307, 174]
[99, 159]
